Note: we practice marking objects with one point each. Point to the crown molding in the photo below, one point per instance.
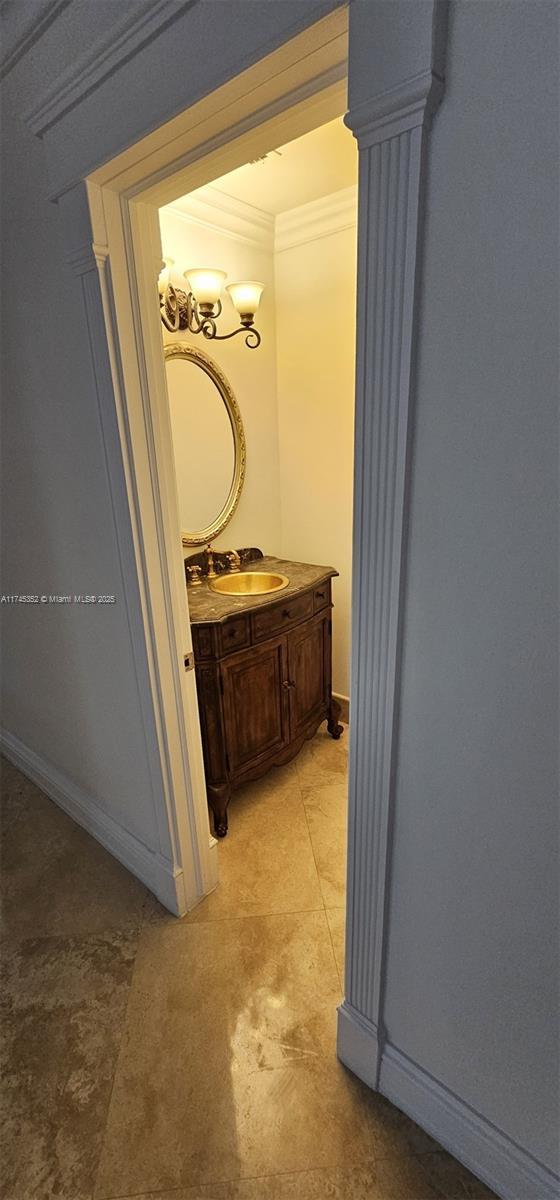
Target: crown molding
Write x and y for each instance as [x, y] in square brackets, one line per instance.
[221, 213]
[215, 210]
[317, 219]
[102, 59]
[32, 30]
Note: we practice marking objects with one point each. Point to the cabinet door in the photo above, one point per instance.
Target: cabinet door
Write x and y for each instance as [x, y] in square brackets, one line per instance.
[309, 660]
[256, 703]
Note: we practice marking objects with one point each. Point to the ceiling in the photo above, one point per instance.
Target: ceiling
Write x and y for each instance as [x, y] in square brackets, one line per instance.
[315, 165]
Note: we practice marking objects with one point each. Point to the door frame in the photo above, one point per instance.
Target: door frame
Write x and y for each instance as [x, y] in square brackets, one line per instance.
[112, 231]
[111, 227]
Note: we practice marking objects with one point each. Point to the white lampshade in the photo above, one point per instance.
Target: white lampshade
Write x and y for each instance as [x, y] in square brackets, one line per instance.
[246, 296]
[163, 279]
[205, 284]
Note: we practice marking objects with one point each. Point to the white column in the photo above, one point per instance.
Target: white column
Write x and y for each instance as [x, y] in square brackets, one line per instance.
[391, 133]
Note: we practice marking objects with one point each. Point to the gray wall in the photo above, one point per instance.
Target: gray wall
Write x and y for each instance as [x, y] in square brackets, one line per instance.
[69, 685]
[471, 978]
[469, 989]
[68, 679]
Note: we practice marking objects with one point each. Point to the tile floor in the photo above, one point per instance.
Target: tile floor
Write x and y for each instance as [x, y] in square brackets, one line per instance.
[193, 1059]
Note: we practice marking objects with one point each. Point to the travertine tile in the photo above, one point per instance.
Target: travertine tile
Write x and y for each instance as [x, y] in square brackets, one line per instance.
[252, 1085]
[63, 1005]
[236, 1124]
[413, 1178]
[336, 918]
[404, 1181]
[322, 759]
[326, 811]
[266, 861]
[57, 880]
[227, 1086]
[256, 993]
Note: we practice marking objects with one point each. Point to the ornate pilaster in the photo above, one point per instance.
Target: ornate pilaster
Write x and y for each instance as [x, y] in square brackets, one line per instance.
[391, 133]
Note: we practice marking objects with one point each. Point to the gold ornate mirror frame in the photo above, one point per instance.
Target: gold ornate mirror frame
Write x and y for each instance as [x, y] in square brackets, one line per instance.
[207, 364]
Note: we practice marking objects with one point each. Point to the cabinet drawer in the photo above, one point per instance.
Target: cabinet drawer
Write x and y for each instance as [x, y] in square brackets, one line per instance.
[269, 621]
[234, 634]
[322, 595]
[204, 644]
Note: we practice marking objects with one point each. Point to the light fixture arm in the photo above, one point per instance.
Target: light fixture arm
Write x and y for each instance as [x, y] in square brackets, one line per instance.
[180, 310]
[252, 340]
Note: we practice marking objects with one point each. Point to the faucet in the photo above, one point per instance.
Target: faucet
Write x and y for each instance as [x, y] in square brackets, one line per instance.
[234, 560]
[210, 572]
[193, 574]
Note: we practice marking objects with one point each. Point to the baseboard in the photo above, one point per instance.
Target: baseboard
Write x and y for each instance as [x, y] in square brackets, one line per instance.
[357, 1044]
[344, 702]
[498, 1161]
[150, 867]
[493, 1157]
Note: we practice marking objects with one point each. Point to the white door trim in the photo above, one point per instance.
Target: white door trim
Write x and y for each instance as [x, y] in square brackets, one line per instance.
[155, 601]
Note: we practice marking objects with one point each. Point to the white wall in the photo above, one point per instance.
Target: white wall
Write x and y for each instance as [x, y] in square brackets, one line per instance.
[471, 986]
[316, 297]
[251, 373]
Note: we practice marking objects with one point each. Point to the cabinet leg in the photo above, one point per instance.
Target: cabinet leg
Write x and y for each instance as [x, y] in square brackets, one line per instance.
[333, 726]
[218, 799]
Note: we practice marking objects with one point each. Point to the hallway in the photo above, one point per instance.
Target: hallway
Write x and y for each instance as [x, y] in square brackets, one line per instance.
[194, 1059]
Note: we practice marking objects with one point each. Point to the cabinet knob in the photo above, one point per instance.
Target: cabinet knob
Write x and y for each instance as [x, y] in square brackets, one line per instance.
[288, 683]
[286, 613]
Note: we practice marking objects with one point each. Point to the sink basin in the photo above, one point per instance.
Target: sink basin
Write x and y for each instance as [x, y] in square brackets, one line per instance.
[249, 583]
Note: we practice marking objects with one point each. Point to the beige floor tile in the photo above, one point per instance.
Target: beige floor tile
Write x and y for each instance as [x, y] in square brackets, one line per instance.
[227, 1087]
[56, 879]
[326, 811]
[250, 994]
[252, 1085]
[63, 1007]
[411, 1178]
[322, 759]
[400, 1181]
[336, 919]
[270, 1121]
[266, 862]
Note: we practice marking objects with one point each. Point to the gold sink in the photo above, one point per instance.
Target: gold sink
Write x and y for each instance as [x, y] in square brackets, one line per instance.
[249, 583]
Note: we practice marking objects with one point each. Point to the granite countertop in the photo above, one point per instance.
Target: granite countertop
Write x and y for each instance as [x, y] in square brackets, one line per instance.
[208, 607]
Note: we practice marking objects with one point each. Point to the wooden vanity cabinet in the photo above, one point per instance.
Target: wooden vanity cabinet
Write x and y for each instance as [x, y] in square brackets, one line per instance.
[260, 702]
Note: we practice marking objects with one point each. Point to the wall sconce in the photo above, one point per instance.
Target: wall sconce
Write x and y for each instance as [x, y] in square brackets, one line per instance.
[198, 309]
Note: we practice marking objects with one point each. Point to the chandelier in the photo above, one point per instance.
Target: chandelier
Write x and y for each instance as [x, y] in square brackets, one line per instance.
[199, 308]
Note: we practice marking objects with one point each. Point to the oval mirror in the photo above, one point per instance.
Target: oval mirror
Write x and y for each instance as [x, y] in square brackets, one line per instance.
[208, 442]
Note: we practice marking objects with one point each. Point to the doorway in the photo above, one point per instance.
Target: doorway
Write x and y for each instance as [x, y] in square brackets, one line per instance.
[263, 453]
[303, 88]
[295, 89]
